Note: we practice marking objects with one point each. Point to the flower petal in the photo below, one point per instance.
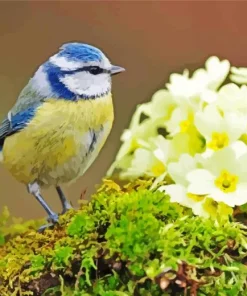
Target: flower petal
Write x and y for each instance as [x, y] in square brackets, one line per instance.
[178, 193]
[178, 170]
[199, 210]
[220, 196]
[202, 188]
[199, 175]
[208, 121]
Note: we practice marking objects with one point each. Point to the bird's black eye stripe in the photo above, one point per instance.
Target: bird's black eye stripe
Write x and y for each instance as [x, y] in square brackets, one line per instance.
[95, 70]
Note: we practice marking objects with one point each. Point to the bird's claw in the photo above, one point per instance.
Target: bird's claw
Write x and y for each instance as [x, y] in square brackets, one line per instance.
[46, 226]
[52, 220]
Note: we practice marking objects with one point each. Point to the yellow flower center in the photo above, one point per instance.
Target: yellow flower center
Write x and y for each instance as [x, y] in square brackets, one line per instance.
[185, 124]
[226, 182]
[195, 197]
[219, 141]
[158, 169]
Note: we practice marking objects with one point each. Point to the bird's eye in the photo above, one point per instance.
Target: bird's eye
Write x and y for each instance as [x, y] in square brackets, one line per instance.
[95, 70]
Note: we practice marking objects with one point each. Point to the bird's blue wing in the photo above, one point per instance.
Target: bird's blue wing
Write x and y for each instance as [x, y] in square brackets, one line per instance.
[14, 123]
[21, 113]
[5, 127]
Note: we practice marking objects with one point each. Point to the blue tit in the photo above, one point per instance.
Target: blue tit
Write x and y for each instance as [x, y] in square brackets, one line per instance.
[60, 121]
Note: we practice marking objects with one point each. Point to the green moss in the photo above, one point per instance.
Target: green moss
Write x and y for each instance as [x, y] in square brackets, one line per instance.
[126, 241]
[37, 263]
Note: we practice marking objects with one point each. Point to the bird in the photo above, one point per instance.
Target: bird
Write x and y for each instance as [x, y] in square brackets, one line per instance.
[59, 122]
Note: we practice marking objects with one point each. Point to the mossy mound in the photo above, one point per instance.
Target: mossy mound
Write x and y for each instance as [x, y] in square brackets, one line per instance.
[127, 241]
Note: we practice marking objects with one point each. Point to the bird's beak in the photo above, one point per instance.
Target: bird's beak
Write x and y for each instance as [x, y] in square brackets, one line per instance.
[116, 69]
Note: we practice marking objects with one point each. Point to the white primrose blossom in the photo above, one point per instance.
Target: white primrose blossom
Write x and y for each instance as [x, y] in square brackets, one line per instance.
[151, 160]
[231, 98]
[211, 78]
[239, 75]
[220, 129]
[223, 178]
[193, 136]
[179, 191]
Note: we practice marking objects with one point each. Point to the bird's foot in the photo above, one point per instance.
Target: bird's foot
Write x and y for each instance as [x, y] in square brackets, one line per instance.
[46, 226]
[52, 220]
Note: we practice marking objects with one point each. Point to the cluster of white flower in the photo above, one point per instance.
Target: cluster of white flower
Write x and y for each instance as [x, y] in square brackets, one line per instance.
[194, 133]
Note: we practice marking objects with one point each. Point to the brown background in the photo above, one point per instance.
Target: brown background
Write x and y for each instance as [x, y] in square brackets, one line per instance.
[150, 39]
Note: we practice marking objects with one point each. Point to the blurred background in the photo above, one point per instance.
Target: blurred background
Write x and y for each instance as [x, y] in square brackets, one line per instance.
[150, 39]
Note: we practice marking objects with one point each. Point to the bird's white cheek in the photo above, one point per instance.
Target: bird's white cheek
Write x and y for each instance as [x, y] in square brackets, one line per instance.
[84, 83]
[76, 83]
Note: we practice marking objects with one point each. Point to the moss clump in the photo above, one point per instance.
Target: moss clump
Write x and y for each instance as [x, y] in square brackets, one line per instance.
[127, 241]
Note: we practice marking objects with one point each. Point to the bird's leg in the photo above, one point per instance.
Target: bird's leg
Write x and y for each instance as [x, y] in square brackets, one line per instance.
[65, 204]
[34, 189]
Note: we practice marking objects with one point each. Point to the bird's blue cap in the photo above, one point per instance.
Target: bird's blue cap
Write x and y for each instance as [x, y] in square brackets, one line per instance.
[80, 52]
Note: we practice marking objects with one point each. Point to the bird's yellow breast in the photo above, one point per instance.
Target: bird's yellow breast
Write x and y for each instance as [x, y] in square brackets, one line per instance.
[60, 142]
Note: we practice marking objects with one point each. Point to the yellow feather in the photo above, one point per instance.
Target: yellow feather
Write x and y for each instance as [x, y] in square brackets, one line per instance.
[53, 147]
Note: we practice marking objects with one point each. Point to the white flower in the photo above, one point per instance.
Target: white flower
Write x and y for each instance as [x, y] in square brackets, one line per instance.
[161, 105]
[204, 151]
[186, 91]
[215, 73]
[209, 96]
[136, 136]
[223, 178]
[239, 147]
[158, 110]
[233, 98]
[201, 82]
[150, 161]
[179, 192]
[220, 130]
[239, 75]
[178, 170]
[141, 164]
[180, 121]
[161, 148]
[200, 202]
[181, 86]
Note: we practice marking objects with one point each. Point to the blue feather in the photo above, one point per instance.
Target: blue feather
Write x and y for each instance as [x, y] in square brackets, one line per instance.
[53, 74]
[21, 119]
[17, 122]
[80, 52]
